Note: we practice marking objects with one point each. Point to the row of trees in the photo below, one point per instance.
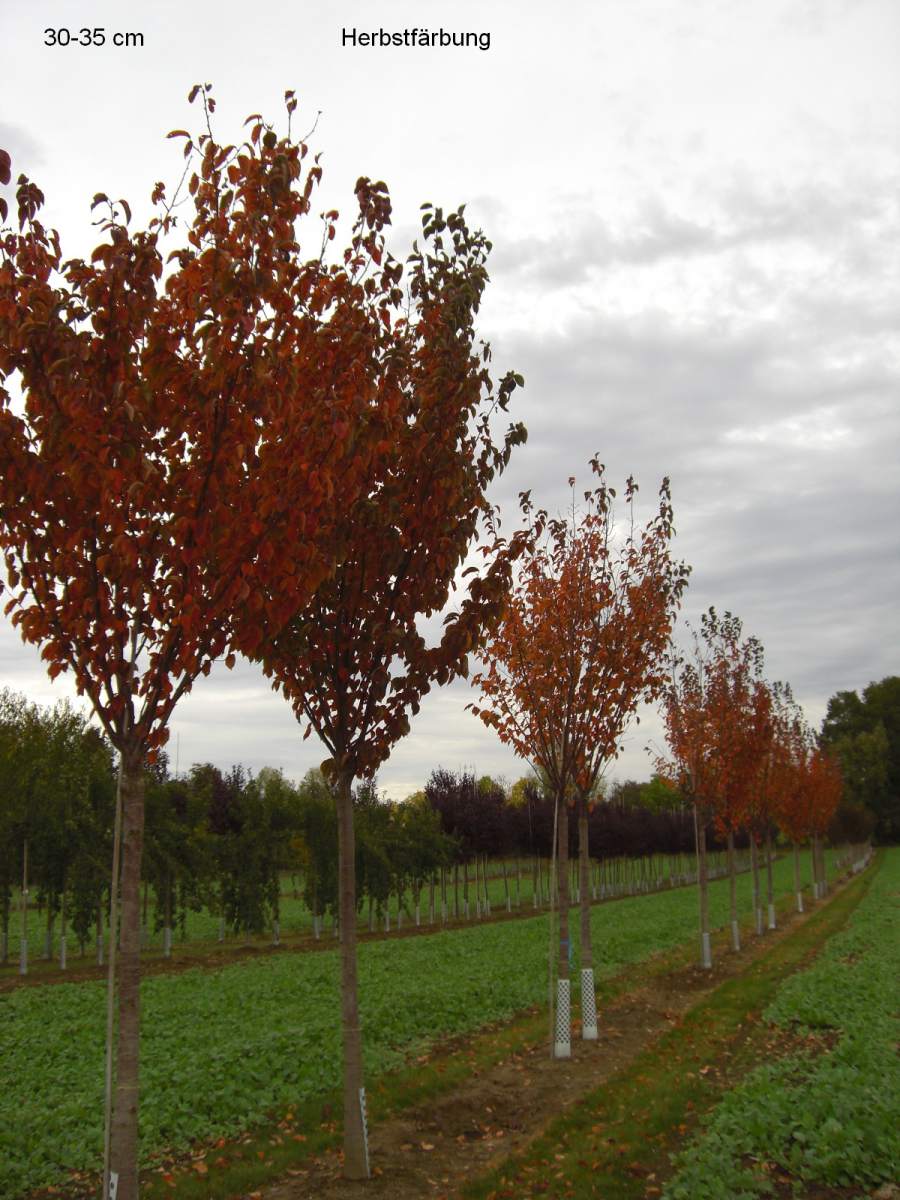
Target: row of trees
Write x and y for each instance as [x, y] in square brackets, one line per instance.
[742, 753]
[57, 787]
[226, 445]
[223, 841]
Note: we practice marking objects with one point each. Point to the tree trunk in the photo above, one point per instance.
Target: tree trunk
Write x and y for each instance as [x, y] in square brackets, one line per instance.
[754, 869]
[356, 1153]
[798, 891]
[124, 1133]
[563, 1044]
[703, 888]
[23, 944]
[99, 933]
[63, 929]
[770, 888]
[732, 895]
[4, 956]
[167, 930]
[588, 994]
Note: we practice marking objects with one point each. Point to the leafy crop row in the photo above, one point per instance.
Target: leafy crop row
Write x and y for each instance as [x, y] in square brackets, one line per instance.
[830, 1117]
[221, 1049]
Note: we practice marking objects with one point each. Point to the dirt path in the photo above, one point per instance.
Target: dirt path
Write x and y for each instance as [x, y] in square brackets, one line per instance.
[435, 1149]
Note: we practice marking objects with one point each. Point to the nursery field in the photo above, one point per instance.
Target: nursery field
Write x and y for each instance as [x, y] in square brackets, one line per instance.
[694, 1116]
[223, 1049]
[514, 884]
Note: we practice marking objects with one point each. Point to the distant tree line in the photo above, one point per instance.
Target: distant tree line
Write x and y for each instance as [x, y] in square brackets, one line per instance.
[864, 732]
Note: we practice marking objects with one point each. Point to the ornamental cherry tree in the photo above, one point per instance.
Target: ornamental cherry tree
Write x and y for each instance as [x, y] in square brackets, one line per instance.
[355, 663]
[582, 643]
[190, 432]
[743, 736]
[707, 722]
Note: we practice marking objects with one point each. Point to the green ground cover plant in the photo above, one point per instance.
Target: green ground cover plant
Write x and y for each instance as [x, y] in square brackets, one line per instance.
[221, 1049]
[832, 1117]
[618, 1140]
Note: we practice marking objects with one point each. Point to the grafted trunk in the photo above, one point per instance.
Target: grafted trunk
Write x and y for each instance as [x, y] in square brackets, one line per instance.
[588, 993]
[703, 887]
[563, 1043]
[356, 1153]
[124, 1131]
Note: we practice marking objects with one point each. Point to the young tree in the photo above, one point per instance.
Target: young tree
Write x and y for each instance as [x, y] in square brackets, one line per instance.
[354, 664]
[702, 712]
[581, 644]
[187, 441]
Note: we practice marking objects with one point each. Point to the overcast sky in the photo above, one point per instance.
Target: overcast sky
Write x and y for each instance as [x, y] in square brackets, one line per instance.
[695, 212]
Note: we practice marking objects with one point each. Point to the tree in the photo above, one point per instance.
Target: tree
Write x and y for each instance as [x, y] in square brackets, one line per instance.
[703, 712]
[581, 644]
[864, 732]
[354, 663]
[175, 462]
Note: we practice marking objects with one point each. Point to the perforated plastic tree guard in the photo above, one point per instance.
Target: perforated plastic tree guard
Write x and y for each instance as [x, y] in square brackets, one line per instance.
[563, 1044]
[588, 1005]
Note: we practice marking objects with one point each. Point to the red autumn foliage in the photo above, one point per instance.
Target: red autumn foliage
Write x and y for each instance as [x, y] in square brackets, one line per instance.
[583, 640]
[191, 431]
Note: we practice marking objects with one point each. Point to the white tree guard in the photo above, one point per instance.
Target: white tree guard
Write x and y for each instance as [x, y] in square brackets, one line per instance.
[759, 920]
[707, 951]
[735, 935]
[365, 1127]
[563, 1044]
[799, 902]
[588, 1005]
[113, 1189]
[772, 924]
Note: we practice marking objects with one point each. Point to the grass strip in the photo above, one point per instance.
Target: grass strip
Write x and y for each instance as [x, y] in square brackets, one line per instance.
[617, 1142]
[827, 1118]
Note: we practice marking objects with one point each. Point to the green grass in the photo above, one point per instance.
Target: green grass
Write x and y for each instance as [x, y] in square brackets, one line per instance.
[617, 1140]
[831, 1118]
[221, 1050]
